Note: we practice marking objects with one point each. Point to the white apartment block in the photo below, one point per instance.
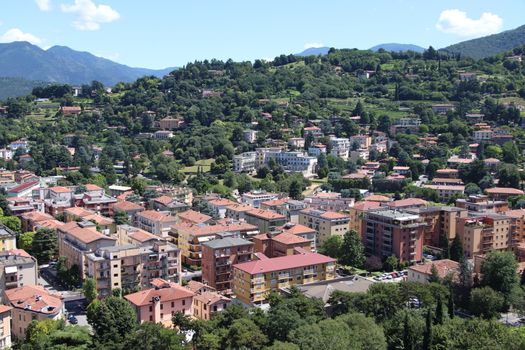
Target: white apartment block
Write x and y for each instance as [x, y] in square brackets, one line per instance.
[483, 134]
[340, 147]
[295, 162]
[245, 162]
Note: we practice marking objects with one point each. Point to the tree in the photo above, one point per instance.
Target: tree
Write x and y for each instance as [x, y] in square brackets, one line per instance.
[509, 176]
[450, 305]
[391, 263]
[486, 302]
[434, 275]
[121, 218]
[364, 332]
[332, 247]
[352, 250]
[499, 272]
[11, 222]
[244, 333]
[439, 311]
[511, 152]
[427, 336]
[472, 189]
[456, 249]
[408, 338]
[25, 241]
[89, 289]
[296, 189]
[153, 336]
[111, 319]
[45, 245]
[311, 336]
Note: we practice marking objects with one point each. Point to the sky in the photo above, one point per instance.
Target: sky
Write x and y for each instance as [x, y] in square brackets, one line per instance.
[167, 33]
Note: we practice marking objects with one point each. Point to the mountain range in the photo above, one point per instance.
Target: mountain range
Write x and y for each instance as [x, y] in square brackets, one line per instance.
[64, 65]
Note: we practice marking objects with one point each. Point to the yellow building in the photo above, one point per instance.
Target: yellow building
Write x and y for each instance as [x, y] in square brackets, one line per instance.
[252, 281]
[326, 223]
[7, 239]
[480, 235]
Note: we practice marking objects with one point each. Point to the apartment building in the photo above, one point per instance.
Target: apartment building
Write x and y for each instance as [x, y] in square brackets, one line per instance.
[245, 162]
[387, 232]
[302, 231]
[218, 256]
[17, 269]
[296, 142]
[326, 223]
[517, 225]
[5, 327]
[127, 234]
[287, 207]
[161, 303]
[30, 219]
[24, 189]
[7, 238]
[132, 267]
[252, 281]
[447, 173]
[440, 222]
[361, 141]
[128, 208]
[76, 239]
[167, 203]
[482, 234]
[189, 238]
[155, 222]
[56, 199]
[171, 123]
[250, 136]
[95, 199]
[331, 201]
[446, 192]
[340, 147]
[206, 305]
[105, 225]
[405, 125]
[30, 303]
[356, 213]
[502, 193]
[256, 198]
[193, 217]
[237, 211]
[218, 206]
[482, 204]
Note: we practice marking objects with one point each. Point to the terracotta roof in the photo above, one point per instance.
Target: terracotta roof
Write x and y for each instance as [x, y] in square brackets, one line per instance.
[366, 205]
[78, 211]
[446, 187]
[333, 215]
[265, 214]
[156, 216]
[37, 298]
[163, 200]
[142, 236]
[195, 286]
[17, 252]
[446, 180]
[444, 267]
[283, 263]
[377, 198]
[127, 206]
[52, 223]
[447, 171]
[60, 189]
[288, 238]
[518, 213]
[273, 202]
[5, 308]
[211, 298]
[92, 187]
[407, 202]
[145, 297]
[503, 190]
[297, 229]
[36, 216]
[240, 207]
[221, 202]
[194, 216]
[22, 187]
[85, 235]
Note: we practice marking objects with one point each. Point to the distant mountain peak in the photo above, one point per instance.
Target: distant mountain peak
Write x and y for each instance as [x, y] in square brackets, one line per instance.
[314, 51]
[396, 47]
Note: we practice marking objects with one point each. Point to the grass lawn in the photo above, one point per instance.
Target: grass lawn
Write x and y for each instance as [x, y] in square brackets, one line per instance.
[204, 164]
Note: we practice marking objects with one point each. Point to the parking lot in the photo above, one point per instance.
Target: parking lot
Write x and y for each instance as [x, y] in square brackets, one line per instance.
[396, 276]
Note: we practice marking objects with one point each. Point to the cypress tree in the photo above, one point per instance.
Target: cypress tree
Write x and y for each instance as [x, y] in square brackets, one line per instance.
[439, 311]
[450, 304]
[427, 336]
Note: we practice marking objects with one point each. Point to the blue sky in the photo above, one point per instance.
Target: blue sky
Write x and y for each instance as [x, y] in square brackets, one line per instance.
[161, 33]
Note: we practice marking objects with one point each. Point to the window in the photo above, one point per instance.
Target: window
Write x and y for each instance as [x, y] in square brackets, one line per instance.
[183, 302]
[162, 306]
[150, 308]
[151, 318]
[204, 306]
[172, 304]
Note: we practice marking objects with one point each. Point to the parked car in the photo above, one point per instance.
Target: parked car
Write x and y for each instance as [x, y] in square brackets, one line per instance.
[72, 319]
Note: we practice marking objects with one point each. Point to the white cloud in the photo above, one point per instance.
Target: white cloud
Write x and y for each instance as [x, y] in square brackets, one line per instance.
[90, 15]
[456, 22]
[15, 34]
[313, 45]
[43, 5]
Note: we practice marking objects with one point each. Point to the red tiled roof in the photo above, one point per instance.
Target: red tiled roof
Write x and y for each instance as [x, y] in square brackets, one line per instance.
[18, 252]
[503, 190]
[288, 238]
[273, 202]
[163, 200]
[196, 286]
[142, 236]
[60, 189]
[240, 207]
[210, 298]
[5, 308]
[407, 202]
[283, 263]
[145, 297]
[518, 213]
[92, 187]
[221, 202]
[366, 205]
[35, 297]
[36, 216]
[377, 198]
[156, 216]
[198, 230]
[85, 235]
[444, 267]
[265, 214]
[194, 216]
[297, 229]
[22, 187]
[127, 206]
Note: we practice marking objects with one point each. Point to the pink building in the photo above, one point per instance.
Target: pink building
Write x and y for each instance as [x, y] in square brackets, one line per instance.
[160, 303]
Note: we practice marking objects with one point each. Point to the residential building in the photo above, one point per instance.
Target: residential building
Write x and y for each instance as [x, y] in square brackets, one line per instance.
[171, 123]
[199, 287]
[265, 220]
[482, 204]
[105, 225]
[517, 226]
[340, 147]
[127, 234]
[502, 193]
[296, 142]
[5, 327]
[274, 245]
[70, 110]
[447, 173]
[76, 239]
[406, 203]
[442, 108]
[245, 162]
[117, 190]
[189, 238]
[237, 211]
[217, 206]
[24, 189]
[483, 135]
[405, 125]
[250, 136]
[482, 234]
[255, 198]
[445, 268]
[316, 150]
[218, 256]
[252, 281]
[315, 131]
[155, 222]
[94, 198]
[207, 304]
[128, 208]
[167, 203]
[359, 153]
[161, 303]
[447, 192]
[305, 232]
[163, 134]
[361, 141]
[17, 269]
[7, 238]
[31, 218]
[331, 201]
[440, 223]
[357, 212]
[326, 223]
[131, 267]
[387, 232]
[29, 303]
